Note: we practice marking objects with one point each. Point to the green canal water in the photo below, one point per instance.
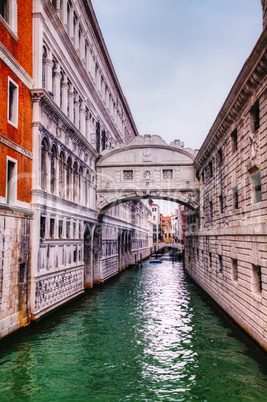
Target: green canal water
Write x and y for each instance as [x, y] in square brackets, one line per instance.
[149, 335]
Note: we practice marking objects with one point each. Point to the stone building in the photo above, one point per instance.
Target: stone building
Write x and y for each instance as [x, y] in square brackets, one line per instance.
[156, 223]
[16, 162]
[79, 110]
[226, 253]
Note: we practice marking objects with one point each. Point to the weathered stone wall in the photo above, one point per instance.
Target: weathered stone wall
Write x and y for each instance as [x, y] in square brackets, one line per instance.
[14, 271]
[227, 255]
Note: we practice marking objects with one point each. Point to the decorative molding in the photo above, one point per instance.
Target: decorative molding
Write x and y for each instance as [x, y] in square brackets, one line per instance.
[15, 147]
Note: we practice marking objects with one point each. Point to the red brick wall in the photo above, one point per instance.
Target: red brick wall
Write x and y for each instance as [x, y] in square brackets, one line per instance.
[21, 49]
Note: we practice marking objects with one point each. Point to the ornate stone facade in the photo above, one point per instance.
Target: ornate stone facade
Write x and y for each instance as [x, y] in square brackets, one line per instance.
[79, 111]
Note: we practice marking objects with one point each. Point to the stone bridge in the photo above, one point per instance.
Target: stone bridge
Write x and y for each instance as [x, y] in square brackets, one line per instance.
[147, 168]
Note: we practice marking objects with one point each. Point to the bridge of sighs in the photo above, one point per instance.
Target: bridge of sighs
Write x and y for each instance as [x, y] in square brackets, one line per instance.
[147, 168]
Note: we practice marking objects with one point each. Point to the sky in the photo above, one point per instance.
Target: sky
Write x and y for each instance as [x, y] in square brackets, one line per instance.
[176, 60]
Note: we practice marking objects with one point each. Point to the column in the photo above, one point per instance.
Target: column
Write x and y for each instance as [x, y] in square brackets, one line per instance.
[82, 119]
[65, 94]
[82, 47]
[48, 65]
[64, 17]
[56, 86]
[71, 102]
[77, 110]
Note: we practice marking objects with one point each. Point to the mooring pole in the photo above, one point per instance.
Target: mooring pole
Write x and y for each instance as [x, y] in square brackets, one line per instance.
[141, 261]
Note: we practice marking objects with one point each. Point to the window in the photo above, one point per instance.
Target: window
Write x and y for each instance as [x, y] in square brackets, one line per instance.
[11, 187]
[61, 174]
[4, 10]
[167, 174]
[210, 169]
[42, 227]
[220, 157]
[12, 110]
[75, 254]
[221, 204]
[235, 197]
[74, 230]
[68, 229]
[234, 140]
[220, 264]
[256, 279]
[255, 117]
[60, 229]
[210, 262]
[211, 210]
[203, 177]
[8, 11]
[53, 169]
[52, 228]
[256, 183]
[22, 272]
[128, 175]
[69, 171]
[44, 151]
[154, 218]
[234, 270]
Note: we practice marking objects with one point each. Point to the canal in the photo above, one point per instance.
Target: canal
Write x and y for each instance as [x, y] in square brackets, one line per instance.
[149, 335]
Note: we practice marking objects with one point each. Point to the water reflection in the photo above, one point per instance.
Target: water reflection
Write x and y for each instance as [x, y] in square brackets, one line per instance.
[148, 336]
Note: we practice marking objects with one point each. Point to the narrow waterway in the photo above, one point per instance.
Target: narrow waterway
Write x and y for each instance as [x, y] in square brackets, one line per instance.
[149, 335]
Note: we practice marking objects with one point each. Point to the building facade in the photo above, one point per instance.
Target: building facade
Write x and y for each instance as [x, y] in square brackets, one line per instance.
[156, 223]
[226, 251]
[79, 110]
[16, 163]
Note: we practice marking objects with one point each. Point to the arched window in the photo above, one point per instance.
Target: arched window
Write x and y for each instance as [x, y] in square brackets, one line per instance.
[75, 173]
[53, 169]
[44, 150]
[61, 88]
[54, 69]
[61, 175]
[80, 184]
[86, 190]
[43, 72]
[68, 178]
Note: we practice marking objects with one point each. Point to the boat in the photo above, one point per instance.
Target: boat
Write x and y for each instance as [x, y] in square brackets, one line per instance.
[155, 259]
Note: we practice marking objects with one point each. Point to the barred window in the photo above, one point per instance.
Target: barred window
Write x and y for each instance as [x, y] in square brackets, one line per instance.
[4, 10]
[256, 180]
[167, 174]
[128, 175]
[8, 11]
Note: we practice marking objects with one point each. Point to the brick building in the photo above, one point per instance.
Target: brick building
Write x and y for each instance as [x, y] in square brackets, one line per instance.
[16, 161]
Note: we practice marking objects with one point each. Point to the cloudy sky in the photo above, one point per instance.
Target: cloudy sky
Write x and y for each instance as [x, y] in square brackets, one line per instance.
[177, 60]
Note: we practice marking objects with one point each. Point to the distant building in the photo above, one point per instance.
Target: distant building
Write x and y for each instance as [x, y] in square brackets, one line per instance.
[177, 225]
[166, 228]
[156, 223]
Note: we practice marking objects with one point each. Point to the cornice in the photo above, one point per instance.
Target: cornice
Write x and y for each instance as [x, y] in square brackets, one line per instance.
[13, 64]
[247, 82]
[50, 40]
